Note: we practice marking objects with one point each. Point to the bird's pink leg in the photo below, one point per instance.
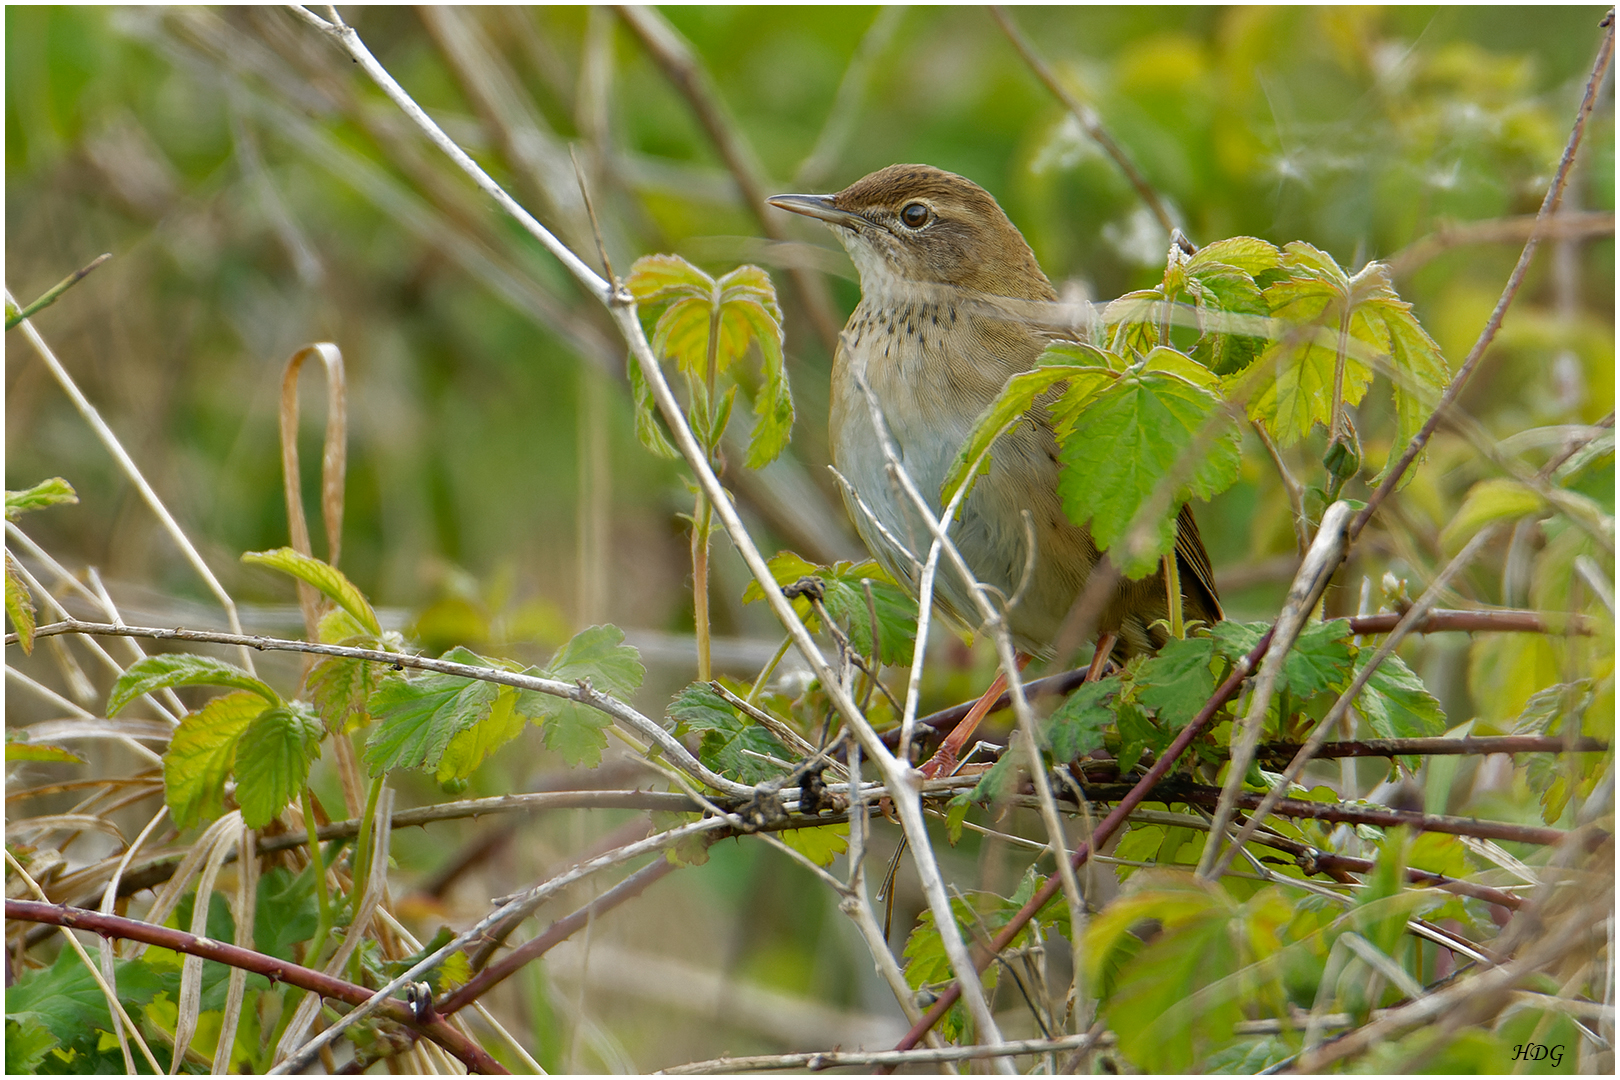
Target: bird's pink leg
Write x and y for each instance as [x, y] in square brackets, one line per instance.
[943, 763]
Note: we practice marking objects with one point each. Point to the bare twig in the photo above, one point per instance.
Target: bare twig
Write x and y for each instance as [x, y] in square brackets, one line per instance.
[1089, 120]
[834, 1059]
[1549, 205]
[1569, 226]
[1323, 558]
[272, 968]
[54, 293]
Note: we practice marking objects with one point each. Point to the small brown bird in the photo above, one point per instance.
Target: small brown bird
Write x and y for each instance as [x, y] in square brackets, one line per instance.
[937, 335]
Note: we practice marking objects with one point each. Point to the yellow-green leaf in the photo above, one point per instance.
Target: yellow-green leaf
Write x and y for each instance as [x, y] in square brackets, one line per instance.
[201, 753]
[1489, 501]
[45, 493]
[273, 756]
[19, 607]
[819, 845]
[181, 669]
[327, 579]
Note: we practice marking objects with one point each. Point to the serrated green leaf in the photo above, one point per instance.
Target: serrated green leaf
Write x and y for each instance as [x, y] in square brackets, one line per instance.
[469, 747]
[27, 1044]
[1223, 296]
[1396, 703]
[1136, 734]
[1016, 399]
[19, 607]
[1299, 365]
[18, 748]
[1132, 322]
[682, 335]
[661, 277]
[773, 401]
[599, 655]
[1177, 682]
[328, 580]
[1076, 727]
[1497, 499]
[201, 753]
[338, 627]
[181, 669]
[340, 689]
[820, 845]
[66, 1000]
[649, 424]
[272, 763]
[1319, 659]
[1126, 439]
[1546, 707]
[50, 492]
[417, 718]
[725, 735]
[844, 597]
[1246, 253]
[579, 734]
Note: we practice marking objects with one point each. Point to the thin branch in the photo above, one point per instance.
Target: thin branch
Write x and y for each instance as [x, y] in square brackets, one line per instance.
[834, 1059]
[469, 1052]
[1088, 118]
[1341, 707]
[54, 293]
[1573, 226]
[1549, 204]
[581, 691]
[1326, 553]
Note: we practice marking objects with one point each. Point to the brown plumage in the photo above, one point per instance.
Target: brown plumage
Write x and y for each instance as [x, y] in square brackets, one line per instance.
[938, 332]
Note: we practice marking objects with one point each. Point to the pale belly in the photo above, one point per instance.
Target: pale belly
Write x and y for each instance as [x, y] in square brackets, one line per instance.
[928, 427]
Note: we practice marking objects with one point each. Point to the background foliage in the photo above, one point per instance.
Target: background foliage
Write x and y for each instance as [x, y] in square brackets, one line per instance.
[256, 197]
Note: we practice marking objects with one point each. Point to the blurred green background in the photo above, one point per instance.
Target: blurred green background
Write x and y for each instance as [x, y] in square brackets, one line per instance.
[258, 194]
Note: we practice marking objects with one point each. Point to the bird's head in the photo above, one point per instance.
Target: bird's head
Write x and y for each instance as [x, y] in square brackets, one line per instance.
[914, 224]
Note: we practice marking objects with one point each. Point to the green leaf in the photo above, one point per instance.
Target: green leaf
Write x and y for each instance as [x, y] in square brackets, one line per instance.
[1076, 727]
[469, 747]
[1418, 369]
[65, 1000]
[1132, 322]
[1177, 682]
[416, 718]
[650, 428]
[19, 607]
[181, 669]
[1016, 399]
[50, 492]
[201, 753]
[682, 335]
[725, 735]
[1396, 703]
[664, 277]
[326, 579]
[819, 845]
[1220, 291]
[773, 401]
[1136, 734]
[27, 1044]
[1119, 445]
[273, 757]
[18, 748]
[340, 689]
[1319, 659]
[578, 733]
[1246, 253]
[844, 597]
[285, 913]
[1498, 499]
[599, 656]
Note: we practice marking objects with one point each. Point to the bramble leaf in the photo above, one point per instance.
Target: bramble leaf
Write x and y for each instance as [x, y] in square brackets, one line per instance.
[273, 756]
[1122, 442]
[1497, 499]
[599, 655]
[819, 845]
[50, 492]
[1076, 727]
[1396, 703]
[469, 747]
[1016, 399]
[201, 753]
[725, 735]
[844, 597]
[1177, 682]
[417, 718]
[19, 607]
[181, 669]
[327, 579]
[650, 428]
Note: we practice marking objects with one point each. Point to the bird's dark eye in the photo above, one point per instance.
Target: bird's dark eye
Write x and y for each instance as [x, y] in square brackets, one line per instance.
[915, 215]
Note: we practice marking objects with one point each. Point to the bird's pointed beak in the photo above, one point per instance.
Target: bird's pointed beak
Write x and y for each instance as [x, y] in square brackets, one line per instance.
[817, 206]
